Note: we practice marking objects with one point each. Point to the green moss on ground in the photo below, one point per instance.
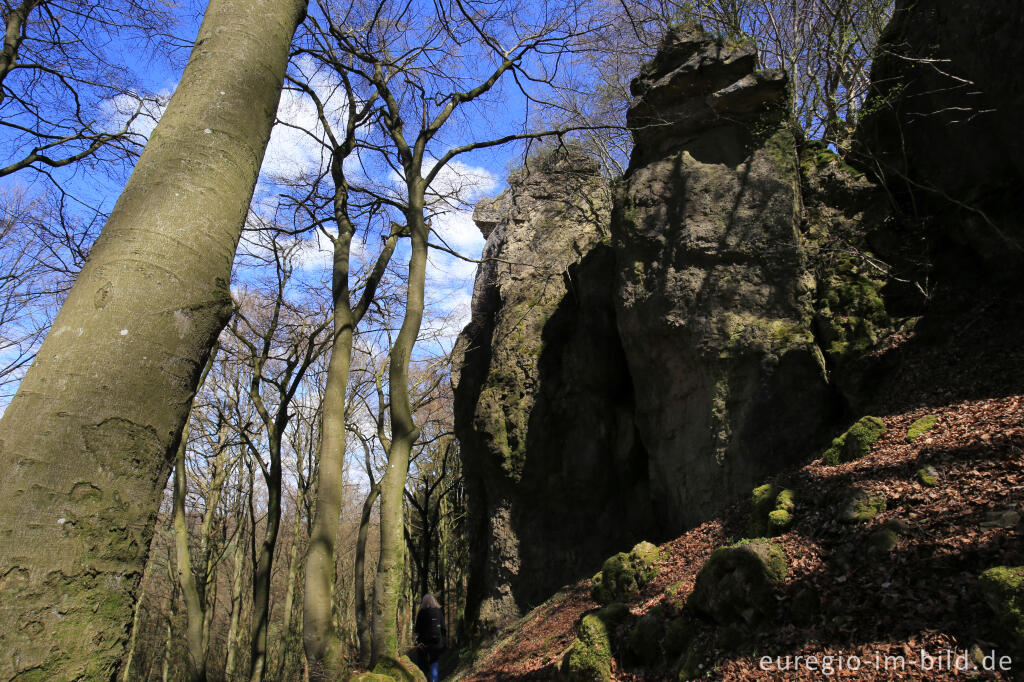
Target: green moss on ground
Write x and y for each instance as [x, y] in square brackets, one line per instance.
[861, 506]
[771, 510]
[921, 427]
[856, 442]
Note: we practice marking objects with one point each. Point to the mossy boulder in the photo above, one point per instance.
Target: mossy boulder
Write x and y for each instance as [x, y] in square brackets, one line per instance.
[644, 639]
[860, 505]
[1002, 588]
[401, 669]
[921, 427]
[370, 677]
[928, 476]
[623, 575]
[771, 510]
[856, 442]
[778, 521]
[590, 657]
[738, 583]
[690, 665]
[678, 635]
[882, 541]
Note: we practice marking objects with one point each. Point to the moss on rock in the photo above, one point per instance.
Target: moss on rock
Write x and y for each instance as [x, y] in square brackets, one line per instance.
[772, 510]
[590, 657]
[856, 442]
[623, 575]
[861, 506]
[778, 521]
[401, 669]
[678, 635]
[928, 476]
[882, 541]
[737, 584]
[1002, 588]
[921, 427]
[644, 639]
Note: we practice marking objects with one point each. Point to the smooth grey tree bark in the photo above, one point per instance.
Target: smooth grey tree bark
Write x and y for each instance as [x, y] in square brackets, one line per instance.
[87, 443]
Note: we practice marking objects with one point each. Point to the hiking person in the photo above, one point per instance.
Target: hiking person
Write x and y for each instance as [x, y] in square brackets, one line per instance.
[430, 634]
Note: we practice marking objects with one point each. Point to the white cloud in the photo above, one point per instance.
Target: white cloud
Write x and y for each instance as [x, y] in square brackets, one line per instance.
[296, 142]
[147, 111]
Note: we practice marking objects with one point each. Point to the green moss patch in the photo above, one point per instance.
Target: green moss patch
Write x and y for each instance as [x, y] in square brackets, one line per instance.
[856, 442]
[928, 476]
[860, 506]
[921, 427]
[590, 657]
[622, 576]
[1002, 588]
[771, 510]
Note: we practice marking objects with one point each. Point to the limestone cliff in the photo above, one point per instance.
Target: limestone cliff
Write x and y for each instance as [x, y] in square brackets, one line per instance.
[543, 398]
[714, 294]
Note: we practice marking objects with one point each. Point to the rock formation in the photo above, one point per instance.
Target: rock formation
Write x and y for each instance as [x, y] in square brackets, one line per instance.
[543, 400]
[714, 301]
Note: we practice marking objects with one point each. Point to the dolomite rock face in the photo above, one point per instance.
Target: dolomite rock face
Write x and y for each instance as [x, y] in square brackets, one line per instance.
[714, 297]
[634, 364]
[543, 400]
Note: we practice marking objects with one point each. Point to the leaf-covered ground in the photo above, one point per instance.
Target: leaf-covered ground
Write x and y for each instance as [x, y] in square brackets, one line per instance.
[892, 615]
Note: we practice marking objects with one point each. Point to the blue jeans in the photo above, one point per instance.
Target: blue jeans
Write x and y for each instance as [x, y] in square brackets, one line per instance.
[433, 672]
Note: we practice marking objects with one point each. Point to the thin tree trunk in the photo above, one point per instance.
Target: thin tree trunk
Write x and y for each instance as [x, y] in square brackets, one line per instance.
[359, 579]
[87, 443]
[236, 601]
[194, 606]
[289, 596]
[320, 638]
[265, 564]
[388, 582]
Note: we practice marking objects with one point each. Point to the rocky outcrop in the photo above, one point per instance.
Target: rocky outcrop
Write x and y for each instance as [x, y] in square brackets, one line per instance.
[942, 127]
[543, 402]
[715, 295]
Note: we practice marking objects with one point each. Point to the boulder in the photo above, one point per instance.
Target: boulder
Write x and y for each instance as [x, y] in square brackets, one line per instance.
[1002, 588]
[623, 575]
[589, 659]
[401, 669]
[856, 442]
[738, 584]
[555, 475]
[859, 506]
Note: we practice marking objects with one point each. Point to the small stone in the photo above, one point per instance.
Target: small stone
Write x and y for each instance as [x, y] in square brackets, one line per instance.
[882, 541]
[921, 427]
[861, 506]
[1003, 518]
[928, 476]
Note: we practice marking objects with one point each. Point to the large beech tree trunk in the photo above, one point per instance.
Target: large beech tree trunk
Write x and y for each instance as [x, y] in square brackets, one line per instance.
[87, 443]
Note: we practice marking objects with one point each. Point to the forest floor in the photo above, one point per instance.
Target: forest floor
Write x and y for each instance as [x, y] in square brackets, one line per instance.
[897, 615]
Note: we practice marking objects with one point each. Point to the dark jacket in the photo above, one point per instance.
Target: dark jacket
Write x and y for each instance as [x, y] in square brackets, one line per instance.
[430, 630]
